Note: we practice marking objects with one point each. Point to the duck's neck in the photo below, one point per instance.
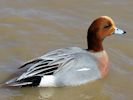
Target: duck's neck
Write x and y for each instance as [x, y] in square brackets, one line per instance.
[96, 48]
[94, 44]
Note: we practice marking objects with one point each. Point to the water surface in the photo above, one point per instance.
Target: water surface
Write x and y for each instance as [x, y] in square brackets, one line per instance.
[29, 28]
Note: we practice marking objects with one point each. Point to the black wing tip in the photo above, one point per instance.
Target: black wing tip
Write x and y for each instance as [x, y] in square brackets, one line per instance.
[27, 82]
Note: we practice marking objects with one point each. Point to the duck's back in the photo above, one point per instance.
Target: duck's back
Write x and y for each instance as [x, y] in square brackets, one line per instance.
[62, 67]
[80, 67]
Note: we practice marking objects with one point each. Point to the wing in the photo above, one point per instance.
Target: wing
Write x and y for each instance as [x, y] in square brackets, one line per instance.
[47, 64]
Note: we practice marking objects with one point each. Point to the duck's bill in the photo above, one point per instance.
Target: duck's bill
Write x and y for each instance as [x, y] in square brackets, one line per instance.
[119, 31]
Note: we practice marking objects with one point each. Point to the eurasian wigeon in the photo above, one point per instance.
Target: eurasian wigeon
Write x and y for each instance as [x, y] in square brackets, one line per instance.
[70, 66]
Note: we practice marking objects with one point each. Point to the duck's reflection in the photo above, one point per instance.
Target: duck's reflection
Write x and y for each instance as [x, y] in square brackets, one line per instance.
[91, 91]
[84, 92]
[46, 93]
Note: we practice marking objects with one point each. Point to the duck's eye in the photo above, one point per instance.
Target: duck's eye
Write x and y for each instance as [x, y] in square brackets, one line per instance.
[107, 26]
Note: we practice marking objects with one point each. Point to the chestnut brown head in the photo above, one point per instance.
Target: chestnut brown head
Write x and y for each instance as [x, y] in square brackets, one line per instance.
[99, 29]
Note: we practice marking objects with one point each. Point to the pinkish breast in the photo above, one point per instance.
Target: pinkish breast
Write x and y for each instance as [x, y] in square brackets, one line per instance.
[103, 62]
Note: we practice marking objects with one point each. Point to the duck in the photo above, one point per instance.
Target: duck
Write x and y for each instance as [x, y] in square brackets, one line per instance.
[70, 66]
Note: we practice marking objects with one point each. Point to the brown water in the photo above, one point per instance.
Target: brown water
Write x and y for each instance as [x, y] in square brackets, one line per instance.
[29, 28]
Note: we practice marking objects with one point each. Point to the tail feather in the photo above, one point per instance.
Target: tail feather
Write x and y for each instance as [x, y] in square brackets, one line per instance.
[20, 84]
[31, 81]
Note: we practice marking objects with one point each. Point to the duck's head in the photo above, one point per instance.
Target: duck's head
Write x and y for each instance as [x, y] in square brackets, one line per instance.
[99, 29]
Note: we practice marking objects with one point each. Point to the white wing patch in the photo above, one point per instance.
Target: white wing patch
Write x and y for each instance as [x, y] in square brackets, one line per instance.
[83, 69]
[47, 81]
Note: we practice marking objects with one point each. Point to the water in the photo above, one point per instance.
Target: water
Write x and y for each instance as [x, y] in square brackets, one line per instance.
[29, 28]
